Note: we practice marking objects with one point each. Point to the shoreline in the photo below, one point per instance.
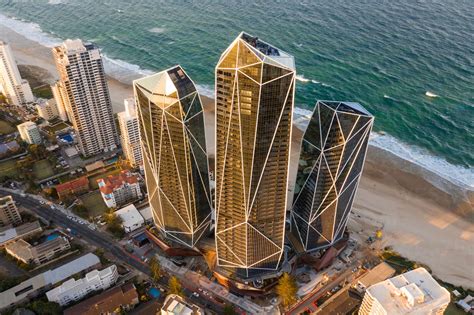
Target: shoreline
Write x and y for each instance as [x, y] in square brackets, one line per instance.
[395, 192]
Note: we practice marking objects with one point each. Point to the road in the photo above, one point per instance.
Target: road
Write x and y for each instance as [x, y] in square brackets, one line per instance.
[98, 239]
[309, 302]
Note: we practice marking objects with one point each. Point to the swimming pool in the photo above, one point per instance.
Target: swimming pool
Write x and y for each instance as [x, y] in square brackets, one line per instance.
[52, 236]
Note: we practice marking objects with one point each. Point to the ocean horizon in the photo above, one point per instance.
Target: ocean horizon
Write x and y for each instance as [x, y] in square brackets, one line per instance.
[422, 117]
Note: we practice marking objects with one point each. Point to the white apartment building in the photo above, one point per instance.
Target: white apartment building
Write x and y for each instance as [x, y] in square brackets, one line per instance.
[118, 190]
[29, 132]
[47, 109]
[9, 213]
[74, 290]
[83, 88]
[59, 97]
[16, 90]
[130, 133]
[414, 292]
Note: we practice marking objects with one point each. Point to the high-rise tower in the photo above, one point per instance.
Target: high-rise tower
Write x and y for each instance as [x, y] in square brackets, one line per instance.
[129, 133]
[254, 102]
[17, 90]
[85, 95]
[174, 154]
[331, 161]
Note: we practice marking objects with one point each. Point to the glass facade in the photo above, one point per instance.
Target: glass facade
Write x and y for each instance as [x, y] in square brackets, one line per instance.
[331, 160]
[174, 154]
[254, 102]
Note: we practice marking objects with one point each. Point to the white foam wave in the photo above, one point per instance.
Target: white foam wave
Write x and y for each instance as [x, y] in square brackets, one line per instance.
[123, 71]
[325, 84]
[157, 30]
[206, 90]
[430, 94]
[315, 82]
[54, 2]
[301, 78]
[31, 31]
[458, 175]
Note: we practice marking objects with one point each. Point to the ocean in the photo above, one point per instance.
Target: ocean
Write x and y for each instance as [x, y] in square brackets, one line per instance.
[409, 62]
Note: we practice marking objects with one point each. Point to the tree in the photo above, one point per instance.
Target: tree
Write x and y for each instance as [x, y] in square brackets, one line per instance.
[229, 309]
[45, 308]
[155, 267]
[287, 289]
[175, 286]
[114, 224]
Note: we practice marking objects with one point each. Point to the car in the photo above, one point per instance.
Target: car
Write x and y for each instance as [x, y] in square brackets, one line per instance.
[42, 202]
[196, 294]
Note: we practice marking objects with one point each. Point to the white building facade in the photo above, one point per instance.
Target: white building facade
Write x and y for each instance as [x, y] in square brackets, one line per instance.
[414, 292]
[84, 90]
[130, 133]
[30, 133]
[74, 290]
[47, 109]
[16, 90]
[118, 190]
[60, 99]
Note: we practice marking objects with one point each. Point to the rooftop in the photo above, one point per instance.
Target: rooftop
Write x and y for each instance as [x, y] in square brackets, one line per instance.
[347, 107]
[166, 87]
[106, 302]
[112, 182]
[5, 200]
[9, 233]
[73, 184]
[261, 47]
[176, 305]
[412, 291]
[130, 215]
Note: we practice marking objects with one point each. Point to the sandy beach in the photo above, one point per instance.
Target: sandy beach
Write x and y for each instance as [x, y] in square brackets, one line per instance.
[420, 221]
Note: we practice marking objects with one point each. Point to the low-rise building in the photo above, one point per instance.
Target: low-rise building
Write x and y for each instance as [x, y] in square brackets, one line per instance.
[33, 286]
[467, 304]
[118, 190]
[177, 305]
[108, 302]
[74, 290]
[414, 292]
[9, 213]
[146, 214]
[29, 132]
[377, 274]
[47, 109]
[74, 187]
[39, 254]
[9, 148]
[131, 218]
[9, 234]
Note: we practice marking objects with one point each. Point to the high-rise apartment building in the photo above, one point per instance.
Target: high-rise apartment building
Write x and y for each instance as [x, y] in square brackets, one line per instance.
[16, 90]
[60, 98]
[414, 292]
[130, 133]
[331, 161]
[83, 88]
[29, 132]
[174, 154]
[255, 84]
[9, 213]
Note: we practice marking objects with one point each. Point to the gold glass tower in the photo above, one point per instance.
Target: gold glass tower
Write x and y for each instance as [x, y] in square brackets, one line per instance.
[174, 154]
[331, 162]
[254, 102]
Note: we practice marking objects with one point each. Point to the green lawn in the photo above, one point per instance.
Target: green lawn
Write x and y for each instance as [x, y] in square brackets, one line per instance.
[56, 127]
[8, 168]
[94, 203]
[93, 179]
[6, 128]
[43, 169]
[453, 310]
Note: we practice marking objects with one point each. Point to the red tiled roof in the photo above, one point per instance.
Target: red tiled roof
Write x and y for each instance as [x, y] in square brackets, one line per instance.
[106, 302]
[75, 184]
[113, 182]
